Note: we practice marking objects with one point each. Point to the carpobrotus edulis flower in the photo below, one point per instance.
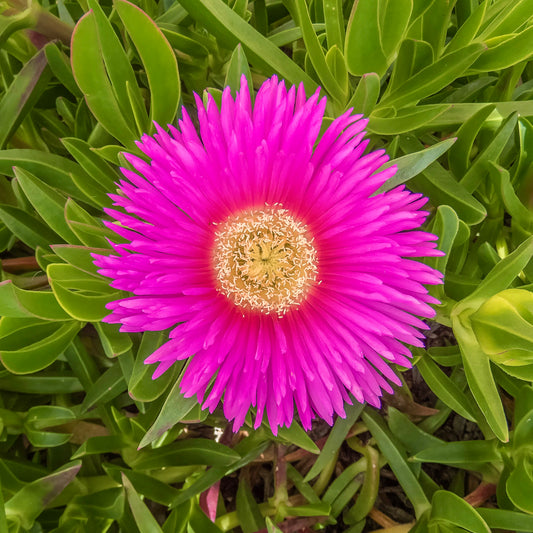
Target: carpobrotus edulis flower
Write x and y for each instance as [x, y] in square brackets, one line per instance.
[287, 281]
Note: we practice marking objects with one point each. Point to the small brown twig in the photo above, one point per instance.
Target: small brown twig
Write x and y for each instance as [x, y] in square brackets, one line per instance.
[381, 518]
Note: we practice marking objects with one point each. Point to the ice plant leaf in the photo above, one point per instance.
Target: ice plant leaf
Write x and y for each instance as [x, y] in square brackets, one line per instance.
[447, 506]
[49, 203]
[60, 66]
[143, 517]
[438, 182]
[413, 56]
[174, 409]
[468, 31]
[117, 65]
[316, 55]
[29, 345]
[231, 29]
[459, 154]
[80, 294]
[238, 67]
[366, 94]
[503, 519]
[296, 435]
[187, 452]
[141, 385]
[386, 121]
[18, 303]
[26, 227]
[334, 23]
[158, 59]
[335, 440]
[434, 77]
[412, 164]
[22, 95]
[445, 389]
[92, 78]
[27, 503]
[247, 509]
[286, 282]
[395, 456]
[375, 31]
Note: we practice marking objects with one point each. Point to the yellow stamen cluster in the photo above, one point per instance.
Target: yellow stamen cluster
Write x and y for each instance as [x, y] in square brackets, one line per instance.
[264, 260]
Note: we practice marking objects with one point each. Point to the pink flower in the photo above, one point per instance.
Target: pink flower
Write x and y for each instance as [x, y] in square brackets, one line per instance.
[285, 279]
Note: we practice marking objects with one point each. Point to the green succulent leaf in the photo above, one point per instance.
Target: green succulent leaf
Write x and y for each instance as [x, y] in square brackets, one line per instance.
[30, 501]
[22, 95]
[159, 63]
[28, 344]
[374, 34]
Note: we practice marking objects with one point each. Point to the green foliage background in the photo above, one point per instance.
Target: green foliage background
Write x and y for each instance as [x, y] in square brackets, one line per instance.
[88, 441]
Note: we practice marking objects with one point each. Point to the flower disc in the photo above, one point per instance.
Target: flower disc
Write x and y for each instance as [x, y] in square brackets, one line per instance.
[264, 260]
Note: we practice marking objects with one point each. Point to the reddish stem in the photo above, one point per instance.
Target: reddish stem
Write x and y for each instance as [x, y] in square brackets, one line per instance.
[20, 264]
[280, 468]
[481, 494]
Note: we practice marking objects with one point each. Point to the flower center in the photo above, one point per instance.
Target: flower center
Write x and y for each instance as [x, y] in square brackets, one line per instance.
[264, 260]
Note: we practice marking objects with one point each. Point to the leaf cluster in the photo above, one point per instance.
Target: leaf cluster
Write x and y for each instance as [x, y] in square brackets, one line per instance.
[89, 442]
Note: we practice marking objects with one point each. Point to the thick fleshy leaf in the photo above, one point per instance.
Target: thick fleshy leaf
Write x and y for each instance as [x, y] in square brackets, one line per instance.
[141, 385]
[452, 453]
[53, 169]
[476, 172]
[520, 484]
[107, 387]
[448, 507]
[386, 121]
[158, 60]
[29, 229]
[397, 460]
[316, 55]
[60, 66]
[504, 519]
[445, 389]
[143, 517]
[336, 438]
[366, 94]
[248, 511]
[28, 345]
[81, 295]
[18, 303]
[22, 95]
[433, 78]
[186, 452]
[49, 203]
[175, 408]
[238, 67]
[231, 29]
[468, 31]
[480, 378]
[459, 154]
[437, 182]
[30, 501]
[412, 164]
[91, 75]
[295, 434]
[374, 34]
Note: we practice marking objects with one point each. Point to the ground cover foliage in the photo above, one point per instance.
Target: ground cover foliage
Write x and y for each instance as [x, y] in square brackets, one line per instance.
[90, 443]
